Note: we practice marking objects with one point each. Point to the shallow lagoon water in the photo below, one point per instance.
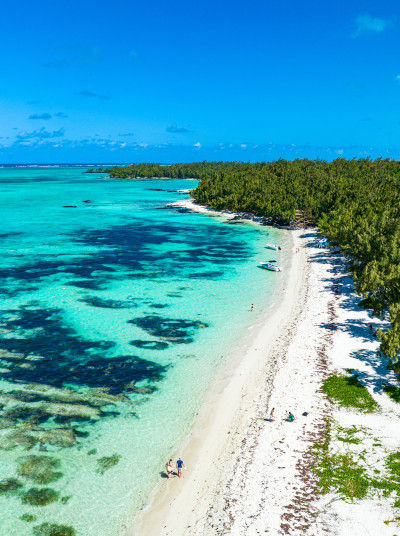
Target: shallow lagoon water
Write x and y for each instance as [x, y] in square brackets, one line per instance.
[116, 314]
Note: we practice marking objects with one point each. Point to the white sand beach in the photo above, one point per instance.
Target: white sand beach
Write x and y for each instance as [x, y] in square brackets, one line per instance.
[247, 475]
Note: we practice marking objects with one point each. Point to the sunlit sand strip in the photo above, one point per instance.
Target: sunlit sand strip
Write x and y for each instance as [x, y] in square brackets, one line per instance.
[248, 476]
[238, 398]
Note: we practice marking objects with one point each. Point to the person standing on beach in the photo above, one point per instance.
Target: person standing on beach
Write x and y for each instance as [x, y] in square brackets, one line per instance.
[169, 468]
[179, 466]
[271, 415]
[252, 307]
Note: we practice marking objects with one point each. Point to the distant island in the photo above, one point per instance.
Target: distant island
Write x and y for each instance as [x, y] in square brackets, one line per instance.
[354, 203]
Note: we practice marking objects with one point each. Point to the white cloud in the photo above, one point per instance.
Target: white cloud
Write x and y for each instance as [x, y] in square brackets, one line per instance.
[365, 24]
[243, 145]
[197, 144]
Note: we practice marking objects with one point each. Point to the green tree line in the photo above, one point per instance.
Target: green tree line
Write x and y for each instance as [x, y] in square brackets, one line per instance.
[355, 204]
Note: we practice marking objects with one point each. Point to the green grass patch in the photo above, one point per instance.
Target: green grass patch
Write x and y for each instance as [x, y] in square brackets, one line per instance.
[347, 391]
[346, 435]
[344, 475]
[338, 472]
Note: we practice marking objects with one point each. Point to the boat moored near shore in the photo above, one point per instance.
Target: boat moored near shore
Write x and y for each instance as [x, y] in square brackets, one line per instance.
[270, 266]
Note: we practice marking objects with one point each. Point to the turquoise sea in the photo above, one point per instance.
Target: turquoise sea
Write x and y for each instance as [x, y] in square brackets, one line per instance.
[116, 314]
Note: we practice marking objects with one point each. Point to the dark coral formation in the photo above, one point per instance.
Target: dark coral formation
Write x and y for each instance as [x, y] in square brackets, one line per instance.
[96, 301]
[52, 529]
[117, 258]
[10, 486]
[149, 345]
[176, 330]
[40, 469]
[63, 358]
[40, 496]
[28, 518]
[107, 462]
[60, 382]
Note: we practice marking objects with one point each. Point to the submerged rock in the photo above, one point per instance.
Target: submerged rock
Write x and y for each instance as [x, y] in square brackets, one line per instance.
[10, 486]
[107, 462]
[78, 410]
[51, 529]
[40, 469]
[177, 330]
[60, 437]
[40, 496]
[28, 517]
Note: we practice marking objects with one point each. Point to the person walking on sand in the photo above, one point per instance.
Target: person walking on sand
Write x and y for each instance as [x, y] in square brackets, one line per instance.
[252, 307]
[179, 466]
[169, 468]
[271, 415]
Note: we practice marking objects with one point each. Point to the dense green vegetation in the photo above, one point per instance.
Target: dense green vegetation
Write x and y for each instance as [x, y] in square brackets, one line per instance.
[195, 170]
[393, 392]
[348, 392]
[355, 203]
[350, 474]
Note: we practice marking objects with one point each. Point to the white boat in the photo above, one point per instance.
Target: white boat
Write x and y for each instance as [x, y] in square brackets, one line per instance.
[270, 266]
[272, 246]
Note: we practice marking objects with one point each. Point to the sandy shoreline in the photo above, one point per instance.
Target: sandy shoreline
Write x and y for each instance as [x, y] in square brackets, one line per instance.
[227, 411]
[248, 476]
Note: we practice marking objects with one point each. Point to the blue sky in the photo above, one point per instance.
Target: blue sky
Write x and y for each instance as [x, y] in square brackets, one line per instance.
[129, 81]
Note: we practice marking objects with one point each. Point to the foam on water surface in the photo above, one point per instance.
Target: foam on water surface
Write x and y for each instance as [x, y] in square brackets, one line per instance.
[116, 315]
